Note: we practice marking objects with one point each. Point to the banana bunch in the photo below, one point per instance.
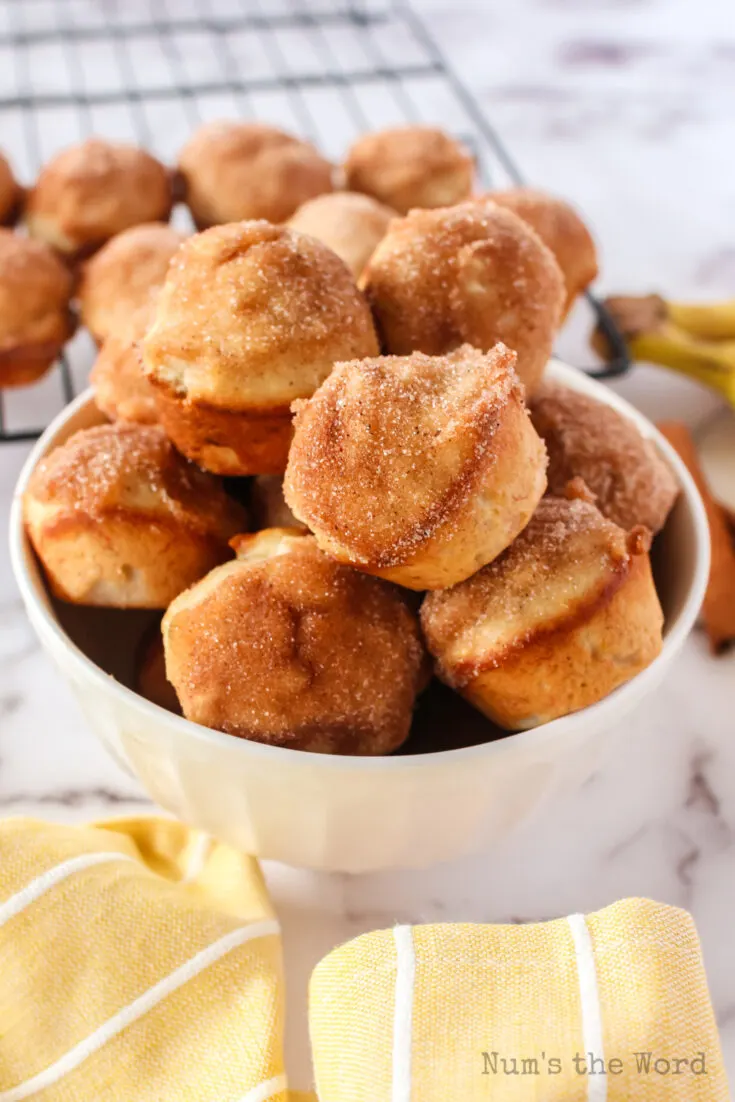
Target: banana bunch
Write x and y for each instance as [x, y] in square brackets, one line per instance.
[697, 339]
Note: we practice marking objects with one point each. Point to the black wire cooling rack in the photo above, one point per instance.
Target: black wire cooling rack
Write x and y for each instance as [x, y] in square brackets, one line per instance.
[150, 70]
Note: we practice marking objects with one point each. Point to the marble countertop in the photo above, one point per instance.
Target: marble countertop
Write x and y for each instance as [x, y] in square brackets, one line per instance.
[624, 106]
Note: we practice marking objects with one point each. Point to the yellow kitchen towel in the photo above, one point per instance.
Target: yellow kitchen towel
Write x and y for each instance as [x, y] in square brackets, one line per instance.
[141, 962]
[604, 1008]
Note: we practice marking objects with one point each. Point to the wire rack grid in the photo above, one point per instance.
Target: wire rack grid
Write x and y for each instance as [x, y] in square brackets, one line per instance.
[149, 71]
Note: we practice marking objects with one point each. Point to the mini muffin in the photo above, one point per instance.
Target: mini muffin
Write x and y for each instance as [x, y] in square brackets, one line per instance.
[563, 617]
[11, 194]
[118, 518]
[250, 317]
[268, 505]
[150, 672]
[472, 273]
[233, 171]
[35, 318]
[120, 278]
[587, 439]
[121, 388]
[287, 647]
[420, 469]
[561, 228]
[349, 223]
[410, 166]
[89, 192]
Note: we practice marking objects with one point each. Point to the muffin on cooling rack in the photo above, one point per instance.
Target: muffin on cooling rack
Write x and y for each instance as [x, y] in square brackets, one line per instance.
[561, 228]
[11, 194]
[118, 518]
[232, 171]
[473, 273]
[288, 647]
[118, 280]
[350, 223]
[563, 617]
[586, 439]
[410, 166]
[35, 317]
[121, 388]
[419, 469]
[89, 192]
[251, 316]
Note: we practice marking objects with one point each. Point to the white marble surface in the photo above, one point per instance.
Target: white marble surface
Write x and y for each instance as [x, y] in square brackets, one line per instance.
[626, 106]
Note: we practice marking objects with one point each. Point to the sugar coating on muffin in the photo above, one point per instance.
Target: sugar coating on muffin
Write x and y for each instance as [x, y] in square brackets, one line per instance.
[288, 647]
[410, 166]
[561, 228]
[35, 316]
[559, 620]
[351, 225]
[122, 391]
[471, 273]
[587, 439]
[417, 468]
[121, 278]
[251, 316]
[89, 192]
[119, 518]
[234, 171]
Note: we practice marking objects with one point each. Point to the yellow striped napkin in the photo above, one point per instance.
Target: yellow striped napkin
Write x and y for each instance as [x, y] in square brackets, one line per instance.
[141, 962]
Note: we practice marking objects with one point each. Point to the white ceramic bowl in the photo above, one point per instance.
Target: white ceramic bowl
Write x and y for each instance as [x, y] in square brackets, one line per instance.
[341, 813]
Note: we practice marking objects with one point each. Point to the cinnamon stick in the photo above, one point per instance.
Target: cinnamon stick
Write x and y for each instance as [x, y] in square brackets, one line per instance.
[718, 607]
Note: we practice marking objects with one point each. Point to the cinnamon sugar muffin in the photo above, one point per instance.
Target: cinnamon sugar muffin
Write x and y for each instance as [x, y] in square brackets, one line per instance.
[250, 317]
[471, 273]
[150, 672]
[118, 518]
[349, 223]
[11, 194]
[35, 317]
[410, 166]
[288, 647]
[563, 617]
[121, 388]
[89, 192]
[120, 279]
[420, 469]
[234, 171]
[561, 228]
[586, 439]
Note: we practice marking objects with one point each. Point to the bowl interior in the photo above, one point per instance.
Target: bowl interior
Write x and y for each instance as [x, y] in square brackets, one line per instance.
[111, 638]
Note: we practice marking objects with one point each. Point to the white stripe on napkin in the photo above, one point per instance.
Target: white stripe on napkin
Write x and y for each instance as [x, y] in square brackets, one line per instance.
[49, 879]
[138, 1007]
[403, 1013]
[264, 1091]
[198, 858]
[590, 1001]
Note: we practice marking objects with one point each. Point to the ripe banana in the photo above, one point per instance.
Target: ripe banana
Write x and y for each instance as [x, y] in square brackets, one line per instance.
[697, 339]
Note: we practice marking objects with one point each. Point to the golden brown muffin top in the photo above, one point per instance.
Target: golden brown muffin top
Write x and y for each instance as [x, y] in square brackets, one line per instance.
[410, 166]
[10, 192]
[91, 191]
[349, 223]
[119, 279]
[121, 389]
[442, 277]
[237, 170]
[285, 645]
[587, 439]
[560, 228]
[132, 469]
[253, 315]
[388, 449]
[35, 289]
[566, 563]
